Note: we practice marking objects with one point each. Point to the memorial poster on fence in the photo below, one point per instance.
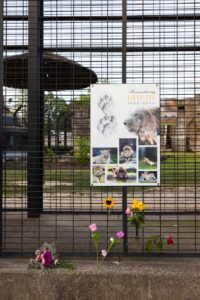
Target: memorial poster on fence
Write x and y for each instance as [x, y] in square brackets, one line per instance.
[125, 135]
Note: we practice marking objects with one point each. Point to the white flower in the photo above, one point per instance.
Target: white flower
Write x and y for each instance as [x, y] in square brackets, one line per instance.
[112, 240]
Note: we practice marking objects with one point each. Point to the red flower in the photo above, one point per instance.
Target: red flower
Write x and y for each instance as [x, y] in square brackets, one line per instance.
[170, 240]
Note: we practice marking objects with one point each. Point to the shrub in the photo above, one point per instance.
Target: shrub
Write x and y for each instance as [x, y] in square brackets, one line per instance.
[50, 154]
[82, 150]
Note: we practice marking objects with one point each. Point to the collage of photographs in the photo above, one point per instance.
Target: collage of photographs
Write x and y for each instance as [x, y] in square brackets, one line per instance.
[116, 165]
[131, 163]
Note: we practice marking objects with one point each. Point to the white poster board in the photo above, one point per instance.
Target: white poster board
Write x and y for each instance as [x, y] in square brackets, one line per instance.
[125, 135]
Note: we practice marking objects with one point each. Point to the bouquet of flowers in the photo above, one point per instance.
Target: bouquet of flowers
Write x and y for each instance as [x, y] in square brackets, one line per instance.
[47, 257]
[135, 215]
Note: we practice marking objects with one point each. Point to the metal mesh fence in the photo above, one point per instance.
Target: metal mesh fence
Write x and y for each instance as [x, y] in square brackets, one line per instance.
[46, 194]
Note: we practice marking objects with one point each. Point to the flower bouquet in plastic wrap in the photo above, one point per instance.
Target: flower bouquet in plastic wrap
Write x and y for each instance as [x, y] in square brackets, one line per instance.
[48, 257]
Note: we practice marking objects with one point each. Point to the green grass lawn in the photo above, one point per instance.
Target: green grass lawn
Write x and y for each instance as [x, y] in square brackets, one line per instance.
[176, 169]
[114, 159]
[143, 166]
[180, 168]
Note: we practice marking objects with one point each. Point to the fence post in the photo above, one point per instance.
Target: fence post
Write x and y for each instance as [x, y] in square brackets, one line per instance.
[35, 110]
[1, 123]
[124, 54]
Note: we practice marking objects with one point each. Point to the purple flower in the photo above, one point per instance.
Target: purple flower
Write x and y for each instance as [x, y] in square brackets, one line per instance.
[46, 258]
[120, 234]
[92, 227]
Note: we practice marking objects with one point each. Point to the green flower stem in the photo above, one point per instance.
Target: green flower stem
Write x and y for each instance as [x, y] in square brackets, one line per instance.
[97, 251]
[109, 249]
[137, 232]
[96, 245]
[137, 238]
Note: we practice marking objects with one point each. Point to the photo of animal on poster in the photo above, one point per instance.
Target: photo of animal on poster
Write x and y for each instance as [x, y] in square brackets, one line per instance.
[148, 158]
[98, 174]
[127, 151]
[104, 155]
[124, 173]
[145, 123]
[146, 177]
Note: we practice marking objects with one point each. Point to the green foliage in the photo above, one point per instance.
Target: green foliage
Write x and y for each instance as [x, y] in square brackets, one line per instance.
[33, 264]
[65, 264]
[51, 156]
[56, 111]
[159, 245]
[137, 219]
[82, 150]
[62, 149]
[149, 245]
[154, 242]
[82, 100]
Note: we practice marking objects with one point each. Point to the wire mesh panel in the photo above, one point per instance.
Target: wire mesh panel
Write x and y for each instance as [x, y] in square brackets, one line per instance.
[53, 51]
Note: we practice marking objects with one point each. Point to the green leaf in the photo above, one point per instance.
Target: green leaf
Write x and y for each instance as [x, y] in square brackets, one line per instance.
[135, 220]
[159, 245]
[65, 264]
[149, 246]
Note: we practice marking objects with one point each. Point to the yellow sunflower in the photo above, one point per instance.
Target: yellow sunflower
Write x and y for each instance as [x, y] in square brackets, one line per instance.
[109, 202]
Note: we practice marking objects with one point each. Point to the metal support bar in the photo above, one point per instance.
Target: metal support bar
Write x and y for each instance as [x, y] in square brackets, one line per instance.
[136, 18]
[1, 122]
[119, 49]
[35, 111]
[124, 58]
[109, 49]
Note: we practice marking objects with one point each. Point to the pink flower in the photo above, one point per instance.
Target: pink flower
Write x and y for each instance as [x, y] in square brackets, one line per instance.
[129, 212]
[46, 258]
[38, 258]
[104, 253]
[120, 234]
[38, 254]
[92, 227]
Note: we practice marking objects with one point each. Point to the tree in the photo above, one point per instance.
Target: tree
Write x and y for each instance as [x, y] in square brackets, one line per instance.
[57, 116]
[56, 111]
